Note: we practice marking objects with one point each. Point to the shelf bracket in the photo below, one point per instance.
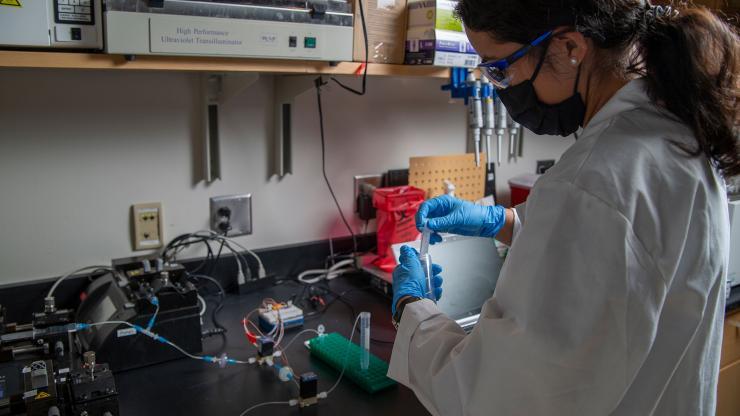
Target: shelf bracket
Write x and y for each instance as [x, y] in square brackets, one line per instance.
[285, 89]
[217, 90]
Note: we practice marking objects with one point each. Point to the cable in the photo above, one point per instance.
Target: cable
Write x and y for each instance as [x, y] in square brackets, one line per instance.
[319, 84]
[367, 56]
[220, 305]
[340, 297]
[221, 290]
[215, 237]
[154, 302]
[203, 303]
[293, 402]
[214, 264]
[61, 279]
[218, 237]
[163, 340]
[327, 274]
[305, 331]
[346, 355]
[204, 237]
[175, 244]
[289, 403]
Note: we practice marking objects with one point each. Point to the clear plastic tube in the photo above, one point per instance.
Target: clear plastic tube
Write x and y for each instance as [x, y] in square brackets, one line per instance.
[426, 261]
[365, 340]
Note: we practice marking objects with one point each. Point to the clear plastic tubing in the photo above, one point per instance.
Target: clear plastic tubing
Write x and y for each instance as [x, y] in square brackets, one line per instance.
[426, 261]
[365, 340]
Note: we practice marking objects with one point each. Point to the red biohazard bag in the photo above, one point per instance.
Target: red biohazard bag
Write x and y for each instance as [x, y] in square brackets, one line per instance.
[396, 209]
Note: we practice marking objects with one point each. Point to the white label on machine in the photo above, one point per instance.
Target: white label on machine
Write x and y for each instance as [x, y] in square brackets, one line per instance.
[185, 35]
[215, 36]
[126, 332]
[269, 39]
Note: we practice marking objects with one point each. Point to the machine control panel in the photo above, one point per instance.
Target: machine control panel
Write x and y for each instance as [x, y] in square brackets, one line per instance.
[74, 11]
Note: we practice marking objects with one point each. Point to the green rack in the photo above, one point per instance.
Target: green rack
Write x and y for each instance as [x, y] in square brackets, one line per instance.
[333, 348]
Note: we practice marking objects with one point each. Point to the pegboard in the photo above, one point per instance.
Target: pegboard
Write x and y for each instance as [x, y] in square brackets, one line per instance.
[429, 173]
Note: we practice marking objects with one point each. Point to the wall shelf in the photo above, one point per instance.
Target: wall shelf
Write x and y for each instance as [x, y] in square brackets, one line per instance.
[73, 60]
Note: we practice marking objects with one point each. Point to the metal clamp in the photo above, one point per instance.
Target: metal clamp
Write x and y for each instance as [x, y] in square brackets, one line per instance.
[285, 90]
[217, 89]
[318, 8]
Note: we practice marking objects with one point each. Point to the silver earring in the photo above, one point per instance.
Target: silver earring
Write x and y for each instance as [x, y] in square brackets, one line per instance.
[574, 61]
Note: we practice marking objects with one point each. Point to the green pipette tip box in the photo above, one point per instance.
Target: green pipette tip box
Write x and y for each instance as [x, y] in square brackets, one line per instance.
[332, 349]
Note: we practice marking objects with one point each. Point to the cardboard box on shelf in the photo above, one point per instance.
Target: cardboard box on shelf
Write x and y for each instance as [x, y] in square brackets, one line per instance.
[435, 36]
[386, 31]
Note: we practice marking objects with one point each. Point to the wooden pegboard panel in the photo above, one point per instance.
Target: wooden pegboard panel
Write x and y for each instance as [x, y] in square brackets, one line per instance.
[429, 173]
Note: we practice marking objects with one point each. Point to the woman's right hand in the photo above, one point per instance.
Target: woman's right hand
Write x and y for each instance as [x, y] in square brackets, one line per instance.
[446, 214]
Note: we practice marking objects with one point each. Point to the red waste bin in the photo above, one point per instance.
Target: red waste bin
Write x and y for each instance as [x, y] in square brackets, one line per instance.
[521, 186]
[396, 212]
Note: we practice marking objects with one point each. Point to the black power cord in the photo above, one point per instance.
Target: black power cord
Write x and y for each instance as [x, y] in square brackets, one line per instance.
[219, 305]
[367, 56]
[185, 241]
[320, 83]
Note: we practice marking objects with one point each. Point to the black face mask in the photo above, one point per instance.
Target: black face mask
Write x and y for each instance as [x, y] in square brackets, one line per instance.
[526, 109]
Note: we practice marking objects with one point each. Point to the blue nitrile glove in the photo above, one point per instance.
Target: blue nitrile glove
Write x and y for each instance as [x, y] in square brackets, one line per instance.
[448, 214]
[409, 279]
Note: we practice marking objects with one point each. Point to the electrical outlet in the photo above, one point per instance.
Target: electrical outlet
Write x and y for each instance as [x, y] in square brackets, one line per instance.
[147, 221]
[232, 214]
[373, 180]
[544, 165]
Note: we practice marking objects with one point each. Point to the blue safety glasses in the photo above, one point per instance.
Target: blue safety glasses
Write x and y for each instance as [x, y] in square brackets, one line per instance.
[496, 71]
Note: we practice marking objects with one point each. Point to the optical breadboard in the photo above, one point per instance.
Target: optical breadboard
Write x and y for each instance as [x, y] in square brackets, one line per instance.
[430, 173]
[334, 349]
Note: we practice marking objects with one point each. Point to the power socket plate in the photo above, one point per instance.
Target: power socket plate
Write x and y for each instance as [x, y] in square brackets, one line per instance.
[374, 180]
[240, 207]
[147, 226]
[544, 165]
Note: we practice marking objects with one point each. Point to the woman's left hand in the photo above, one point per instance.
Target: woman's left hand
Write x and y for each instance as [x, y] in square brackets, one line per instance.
[409, 279]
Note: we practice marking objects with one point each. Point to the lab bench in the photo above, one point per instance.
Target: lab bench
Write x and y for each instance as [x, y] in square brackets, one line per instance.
[190, 387]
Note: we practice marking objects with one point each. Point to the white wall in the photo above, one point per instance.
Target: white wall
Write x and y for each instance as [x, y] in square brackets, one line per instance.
[77, 148]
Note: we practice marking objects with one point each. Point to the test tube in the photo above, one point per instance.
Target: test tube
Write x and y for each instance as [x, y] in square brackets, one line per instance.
[426, 261]
[365, 340]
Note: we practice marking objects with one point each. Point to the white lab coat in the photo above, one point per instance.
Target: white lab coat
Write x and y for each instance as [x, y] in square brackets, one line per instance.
[611, 299]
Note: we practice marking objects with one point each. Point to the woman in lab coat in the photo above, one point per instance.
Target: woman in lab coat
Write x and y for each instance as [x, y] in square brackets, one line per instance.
[611, 299]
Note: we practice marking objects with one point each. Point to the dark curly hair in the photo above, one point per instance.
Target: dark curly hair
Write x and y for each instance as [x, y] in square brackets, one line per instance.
[688, 55]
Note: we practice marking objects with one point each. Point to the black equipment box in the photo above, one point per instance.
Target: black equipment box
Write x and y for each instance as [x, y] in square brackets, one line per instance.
[127, 295]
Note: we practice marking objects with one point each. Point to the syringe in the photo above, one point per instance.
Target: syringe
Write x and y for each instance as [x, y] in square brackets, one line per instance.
[426, 261]
[365, 340]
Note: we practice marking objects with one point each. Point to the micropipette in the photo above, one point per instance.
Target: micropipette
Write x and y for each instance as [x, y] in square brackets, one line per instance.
[475, 113]
[489, 125]
[365, 340]
[426, 261]
[501, 125]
